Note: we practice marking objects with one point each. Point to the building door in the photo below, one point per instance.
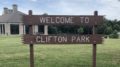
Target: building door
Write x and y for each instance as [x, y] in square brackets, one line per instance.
[14, 28]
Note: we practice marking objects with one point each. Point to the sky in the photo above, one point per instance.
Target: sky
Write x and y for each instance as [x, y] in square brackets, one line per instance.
[109, 8]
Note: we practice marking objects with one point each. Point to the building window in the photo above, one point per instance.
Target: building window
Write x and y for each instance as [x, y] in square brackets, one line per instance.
[2, 28]
[14, 28]
[27, 29]
[41, 29]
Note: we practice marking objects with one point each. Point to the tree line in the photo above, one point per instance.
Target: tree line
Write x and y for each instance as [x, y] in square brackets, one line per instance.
[109, 28]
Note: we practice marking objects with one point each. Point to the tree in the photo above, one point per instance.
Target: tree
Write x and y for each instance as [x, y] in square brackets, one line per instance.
[114, 34]
[80, 30]
[52, 30]
[116, 27]
[108, 30]
[101, 29]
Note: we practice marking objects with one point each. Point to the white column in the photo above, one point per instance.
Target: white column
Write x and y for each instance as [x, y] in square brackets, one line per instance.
[20, 29]
[45, 29]
[24, 32]
[2, 29]
[36, 29]
[33, 29]
[7, 29]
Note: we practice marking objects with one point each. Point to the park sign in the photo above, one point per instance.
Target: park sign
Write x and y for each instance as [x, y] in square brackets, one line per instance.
[62, 39]
[87, 20]
[84, 20]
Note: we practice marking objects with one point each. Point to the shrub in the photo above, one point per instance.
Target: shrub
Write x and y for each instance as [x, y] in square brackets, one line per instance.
[114, 34]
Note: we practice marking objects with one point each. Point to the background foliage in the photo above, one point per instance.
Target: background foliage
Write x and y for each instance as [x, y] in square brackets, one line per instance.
[109, 28]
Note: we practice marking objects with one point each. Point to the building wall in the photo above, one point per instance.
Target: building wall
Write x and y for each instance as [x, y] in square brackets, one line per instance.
[7, 29]
[6, 18]
[21, 29]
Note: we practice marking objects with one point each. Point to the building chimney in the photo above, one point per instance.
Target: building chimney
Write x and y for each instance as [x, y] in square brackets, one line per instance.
[14, 8]
[5, 10]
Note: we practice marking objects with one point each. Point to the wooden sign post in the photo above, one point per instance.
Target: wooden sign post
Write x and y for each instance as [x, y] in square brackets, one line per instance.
[31, 44]
[94, 44]
[86, 20]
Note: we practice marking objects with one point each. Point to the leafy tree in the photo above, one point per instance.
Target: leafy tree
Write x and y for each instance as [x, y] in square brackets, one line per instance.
[108, 30]
[116, 27]
[80, 30]
[52, 30]
[114, 34]
[101, 29]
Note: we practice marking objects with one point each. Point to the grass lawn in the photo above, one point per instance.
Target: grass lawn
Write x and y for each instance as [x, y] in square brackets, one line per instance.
[15, 54]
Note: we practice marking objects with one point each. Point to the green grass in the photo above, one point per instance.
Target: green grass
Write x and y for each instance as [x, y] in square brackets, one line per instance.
[15, 54]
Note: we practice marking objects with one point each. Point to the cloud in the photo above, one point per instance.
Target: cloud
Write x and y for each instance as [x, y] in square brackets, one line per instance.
[33, 0]
[110, 8]
[67, 6]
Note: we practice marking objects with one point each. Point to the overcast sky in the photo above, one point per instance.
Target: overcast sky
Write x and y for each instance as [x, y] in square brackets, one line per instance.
[109, 8]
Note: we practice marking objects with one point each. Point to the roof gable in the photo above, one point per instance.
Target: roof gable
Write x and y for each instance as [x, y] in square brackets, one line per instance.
[12, 17]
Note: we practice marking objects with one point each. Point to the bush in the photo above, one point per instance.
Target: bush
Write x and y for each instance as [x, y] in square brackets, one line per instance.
[105, 36]
[114, 34]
